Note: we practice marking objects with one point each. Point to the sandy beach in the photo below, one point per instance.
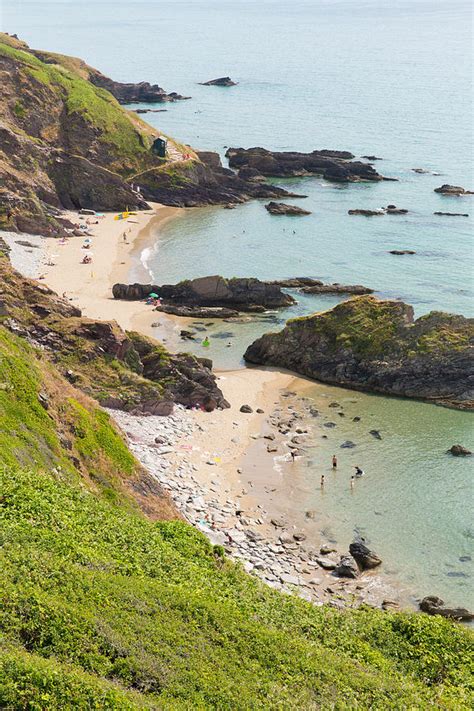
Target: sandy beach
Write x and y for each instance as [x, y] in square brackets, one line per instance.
[230, 463]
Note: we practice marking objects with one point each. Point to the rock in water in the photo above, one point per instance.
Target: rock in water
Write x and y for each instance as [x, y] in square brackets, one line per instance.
[366, 213]
[434, 605]
[364, 557]
[452, 190]
[281, 208]
[221, 81]
[374, 345]
[402, 251]
[457, 450]
[347, 568]
[452, 214]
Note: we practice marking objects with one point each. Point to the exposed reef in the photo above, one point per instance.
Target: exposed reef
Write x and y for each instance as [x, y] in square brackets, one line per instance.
[238, 294]
[337, 166]
[375, 345]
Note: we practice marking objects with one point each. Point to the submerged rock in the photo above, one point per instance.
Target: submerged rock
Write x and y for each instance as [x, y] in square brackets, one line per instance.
[434, 605]
[402, 251]
[452, 214]
[374, 345]
[281, 208]
[366, 213]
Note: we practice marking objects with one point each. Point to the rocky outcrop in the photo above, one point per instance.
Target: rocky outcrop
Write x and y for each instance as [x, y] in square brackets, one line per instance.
[353, 289]
[70, 144]
[374, 345]
[346, 568]
[281, 208]
[129, 93]
[434, 605]
[452, 190]
[389, 210]
[238, 294]
[309, 285]
[457, 450]
[337, 166]
[364, 557]
[221, 81]
[121, 370]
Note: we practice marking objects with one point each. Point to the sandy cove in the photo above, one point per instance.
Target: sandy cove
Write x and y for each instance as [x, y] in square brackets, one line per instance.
[207, 462]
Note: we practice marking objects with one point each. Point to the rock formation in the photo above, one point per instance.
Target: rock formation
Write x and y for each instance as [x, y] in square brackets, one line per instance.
[238, 294]
[374, 345]
[457, 450]
[281, 208]
[364, 557]
[354, 289]
[129, 93]
[452, 190]
[222, 81]
[121, 370]
[402, 251]
[66, 143]
[434, 605]
[336, 166]
[452, 214]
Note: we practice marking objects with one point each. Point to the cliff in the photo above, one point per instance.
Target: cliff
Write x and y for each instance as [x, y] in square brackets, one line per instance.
[68, 143]
[375, 345]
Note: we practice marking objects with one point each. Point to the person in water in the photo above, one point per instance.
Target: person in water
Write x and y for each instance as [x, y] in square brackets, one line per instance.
[322, 480]
[352, 481]
[334, 461]
[359, 471]
[206, 342]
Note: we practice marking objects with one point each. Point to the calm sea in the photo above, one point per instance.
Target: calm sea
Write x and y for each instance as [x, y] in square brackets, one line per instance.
[390, 78]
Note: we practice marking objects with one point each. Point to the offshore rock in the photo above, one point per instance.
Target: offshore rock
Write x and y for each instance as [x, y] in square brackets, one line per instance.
[198, 311]
[374, 345]
[221, 81]
[366, 213]
[281, 208]
[336, 166]
[354, 289]
[239, 294]
[457, 450]
[452, 214]
[452, 190]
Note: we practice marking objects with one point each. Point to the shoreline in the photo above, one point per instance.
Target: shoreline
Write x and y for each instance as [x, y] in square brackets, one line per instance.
[214, 476]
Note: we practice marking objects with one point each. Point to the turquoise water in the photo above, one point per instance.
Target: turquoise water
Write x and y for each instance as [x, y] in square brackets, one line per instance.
[384, 77]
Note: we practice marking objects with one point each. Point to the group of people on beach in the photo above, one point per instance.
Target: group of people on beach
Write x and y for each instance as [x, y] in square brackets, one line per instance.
[358, 471]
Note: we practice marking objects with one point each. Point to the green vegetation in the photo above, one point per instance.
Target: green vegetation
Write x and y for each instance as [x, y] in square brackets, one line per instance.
[102, 608]
[19, 110]
[94, 105]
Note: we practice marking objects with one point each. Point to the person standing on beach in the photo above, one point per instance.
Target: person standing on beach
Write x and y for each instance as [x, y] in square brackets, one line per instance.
[293, 455]
[334, 461]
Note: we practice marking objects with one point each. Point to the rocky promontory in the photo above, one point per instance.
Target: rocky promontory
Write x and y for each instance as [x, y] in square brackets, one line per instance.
[374, 345]
[336, 166]
[239, 294]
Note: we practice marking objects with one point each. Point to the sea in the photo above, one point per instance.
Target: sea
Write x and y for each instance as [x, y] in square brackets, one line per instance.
[390, 78]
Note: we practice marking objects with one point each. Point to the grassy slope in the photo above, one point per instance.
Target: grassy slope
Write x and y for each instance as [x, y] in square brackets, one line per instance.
[102, 608]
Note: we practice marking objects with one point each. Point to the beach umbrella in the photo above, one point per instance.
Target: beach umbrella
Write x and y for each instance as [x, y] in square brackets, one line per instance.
[153, 295]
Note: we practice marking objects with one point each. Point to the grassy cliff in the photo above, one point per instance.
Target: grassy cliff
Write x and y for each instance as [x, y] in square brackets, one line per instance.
[106, 605]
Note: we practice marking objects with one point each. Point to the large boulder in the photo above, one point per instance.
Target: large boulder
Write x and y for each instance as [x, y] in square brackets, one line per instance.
[281, 208]
[447, 189]
[346, 568]
[457, 450]
[434, 605]
[364, 557]
[374, 345]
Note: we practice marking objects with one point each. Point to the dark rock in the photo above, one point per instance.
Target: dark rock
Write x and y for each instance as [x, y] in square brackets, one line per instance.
[197, 312]
[355, 289]
[366, 213]
[371, 158]
[281, 208]
[364, 557]
[356, 419]
[421, 171]
[374, 345]
[141, 93]
[457, 450]
[299, 536]
[246, 408]
[390, 605]
[334, 404]
[394, 210]
[222, 81]
[434, 605]
[452, 214]
[402, 251]
[278, 522]
[188, 335]
[336, 166]
[452, 190]
[464, 558]
[260, 411]
[347, 568]
[348, 444]
[296, 282]
[329, 425]
[376, 434]
[242, 294]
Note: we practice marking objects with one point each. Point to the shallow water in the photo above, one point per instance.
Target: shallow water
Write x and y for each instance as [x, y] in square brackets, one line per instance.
[384, 77]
